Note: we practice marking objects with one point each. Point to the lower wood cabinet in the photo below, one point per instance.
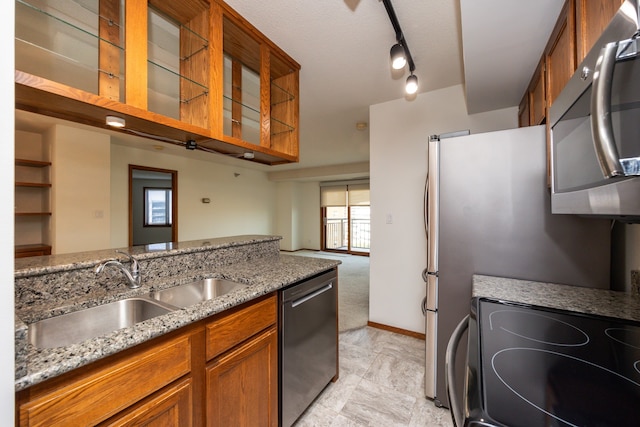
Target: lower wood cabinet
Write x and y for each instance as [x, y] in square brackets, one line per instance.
[242, 384]
[184, 378]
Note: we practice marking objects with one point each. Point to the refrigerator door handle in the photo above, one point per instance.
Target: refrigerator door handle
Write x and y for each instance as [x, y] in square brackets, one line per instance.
[432, 292]
[431, 206]
[431, 351]
[423, 306]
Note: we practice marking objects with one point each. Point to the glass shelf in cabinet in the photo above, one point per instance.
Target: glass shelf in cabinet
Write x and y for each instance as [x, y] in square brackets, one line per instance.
[280, 95]
[168, 89]
[52, 47]
[195, 41]
[40, 15]
[249, 121]
[278, 127]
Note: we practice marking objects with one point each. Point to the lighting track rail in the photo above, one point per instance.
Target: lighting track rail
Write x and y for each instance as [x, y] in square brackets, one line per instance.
[400, 53]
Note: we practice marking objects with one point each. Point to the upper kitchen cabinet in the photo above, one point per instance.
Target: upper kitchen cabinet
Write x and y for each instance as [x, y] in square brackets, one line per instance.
[532, 108]
[579, 25]
[560, 54]
[174, 70]
[258, 87]
[592, 17]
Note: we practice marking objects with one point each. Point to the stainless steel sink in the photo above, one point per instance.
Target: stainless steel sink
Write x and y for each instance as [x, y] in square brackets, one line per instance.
[195, 292]
[92, 322]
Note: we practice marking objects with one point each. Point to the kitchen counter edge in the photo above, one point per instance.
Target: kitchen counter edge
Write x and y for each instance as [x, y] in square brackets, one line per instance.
[623, 305]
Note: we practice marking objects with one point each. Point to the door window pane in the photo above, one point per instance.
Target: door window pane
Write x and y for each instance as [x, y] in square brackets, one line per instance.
[157, 207]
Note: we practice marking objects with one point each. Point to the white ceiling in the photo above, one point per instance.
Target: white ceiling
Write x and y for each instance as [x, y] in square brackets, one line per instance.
[343, 48]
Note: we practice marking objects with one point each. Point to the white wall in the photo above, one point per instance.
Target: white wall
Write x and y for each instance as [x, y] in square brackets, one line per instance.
[243, 204]
[80, 189]
[399, 135]
[7, 372]
[298, 215]
[309, 211]
[284, 217]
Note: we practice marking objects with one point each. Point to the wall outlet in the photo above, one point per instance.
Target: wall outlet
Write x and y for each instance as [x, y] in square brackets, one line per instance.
[635, 282]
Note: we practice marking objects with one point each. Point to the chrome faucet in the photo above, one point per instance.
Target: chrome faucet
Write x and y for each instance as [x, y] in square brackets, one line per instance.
[133, 275]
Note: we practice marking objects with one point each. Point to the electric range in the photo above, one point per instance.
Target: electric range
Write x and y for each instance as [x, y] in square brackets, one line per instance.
[535, 366]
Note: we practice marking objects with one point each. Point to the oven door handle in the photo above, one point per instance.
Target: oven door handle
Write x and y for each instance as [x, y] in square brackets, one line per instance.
[450, 367]
[601, 128]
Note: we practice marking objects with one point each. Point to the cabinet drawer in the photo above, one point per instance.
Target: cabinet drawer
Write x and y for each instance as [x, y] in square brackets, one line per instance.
[109, 390]
[234, 328]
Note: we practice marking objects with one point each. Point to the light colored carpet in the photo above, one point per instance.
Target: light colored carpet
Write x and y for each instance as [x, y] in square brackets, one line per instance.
[353, 287]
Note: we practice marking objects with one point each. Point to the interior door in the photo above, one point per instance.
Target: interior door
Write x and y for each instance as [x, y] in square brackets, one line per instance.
[153, 205]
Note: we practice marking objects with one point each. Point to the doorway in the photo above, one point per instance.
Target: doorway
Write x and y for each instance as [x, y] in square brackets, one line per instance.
[153, 205]
[346, 218]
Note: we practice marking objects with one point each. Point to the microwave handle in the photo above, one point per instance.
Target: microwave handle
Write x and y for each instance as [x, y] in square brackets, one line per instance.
[601, 127]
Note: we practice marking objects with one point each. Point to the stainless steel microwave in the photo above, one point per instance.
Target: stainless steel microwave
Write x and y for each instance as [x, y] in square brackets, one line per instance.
[595, 127]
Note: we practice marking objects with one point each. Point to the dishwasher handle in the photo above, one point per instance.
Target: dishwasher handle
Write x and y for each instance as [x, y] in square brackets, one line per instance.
[311, 295]
[450, 367]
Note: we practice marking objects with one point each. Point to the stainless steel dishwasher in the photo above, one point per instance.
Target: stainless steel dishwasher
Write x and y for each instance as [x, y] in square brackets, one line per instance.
[308, 343]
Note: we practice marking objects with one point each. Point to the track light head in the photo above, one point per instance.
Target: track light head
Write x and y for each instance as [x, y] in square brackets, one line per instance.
[398, 57]
[412, 84]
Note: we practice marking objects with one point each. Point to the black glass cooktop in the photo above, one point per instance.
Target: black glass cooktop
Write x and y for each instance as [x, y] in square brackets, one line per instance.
[534, 366]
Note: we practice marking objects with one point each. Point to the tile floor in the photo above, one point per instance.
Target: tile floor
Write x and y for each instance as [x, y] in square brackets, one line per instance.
[381, 384]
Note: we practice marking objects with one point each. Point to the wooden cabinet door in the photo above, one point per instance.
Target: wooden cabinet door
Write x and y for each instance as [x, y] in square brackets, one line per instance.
[523, 111]
[538, 97]
[171, 408]
[560, 54]
[242, 384]
[592, 17]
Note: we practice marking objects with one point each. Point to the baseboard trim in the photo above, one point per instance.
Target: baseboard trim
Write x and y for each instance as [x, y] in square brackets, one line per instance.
[397, 330]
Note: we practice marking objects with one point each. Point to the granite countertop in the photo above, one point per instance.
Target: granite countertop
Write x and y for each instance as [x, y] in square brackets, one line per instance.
[602, 302]
[66, 262]
[263, 275]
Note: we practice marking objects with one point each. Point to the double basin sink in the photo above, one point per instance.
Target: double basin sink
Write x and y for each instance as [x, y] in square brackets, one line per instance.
[75, 327]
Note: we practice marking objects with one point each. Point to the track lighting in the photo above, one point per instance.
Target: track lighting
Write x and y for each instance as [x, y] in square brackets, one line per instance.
[412, 84]
[398, 59]
[400, 53]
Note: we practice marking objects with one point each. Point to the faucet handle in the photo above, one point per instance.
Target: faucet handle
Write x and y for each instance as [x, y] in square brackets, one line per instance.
[135, 267]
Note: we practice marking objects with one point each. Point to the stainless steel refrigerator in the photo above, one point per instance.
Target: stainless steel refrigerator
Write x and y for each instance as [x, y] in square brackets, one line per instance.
[488, 212]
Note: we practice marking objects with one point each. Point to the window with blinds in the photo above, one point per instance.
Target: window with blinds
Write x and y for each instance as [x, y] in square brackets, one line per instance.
[346, 216]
